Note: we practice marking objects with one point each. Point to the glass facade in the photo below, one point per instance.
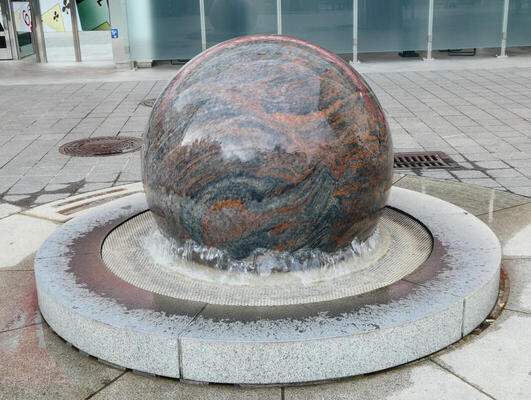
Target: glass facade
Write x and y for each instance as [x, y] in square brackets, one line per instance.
[163, 29]
[392, 25]
[169, 29]
[465, 24]
[327, 23]
[226, 19]
[519, 23]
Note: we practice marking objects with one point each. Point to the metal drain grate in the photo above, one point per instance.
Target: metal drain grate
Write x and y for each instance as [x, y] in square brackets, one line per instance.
[101, 146]
[424, 159]
[148, 102]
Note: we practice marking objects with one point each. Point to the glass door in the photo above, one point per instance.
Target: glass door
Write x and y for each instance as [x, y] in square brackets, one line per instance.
[5, 43]
[21, 16]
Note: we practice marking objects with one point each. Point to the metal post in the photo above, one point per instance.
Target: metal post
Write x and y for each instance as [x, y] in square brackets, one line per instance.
[430, 32]
[203, 24]
[354, 33]
[15, 49]
[75, 29]
[503, 53]
[38, 32]
[279, 17]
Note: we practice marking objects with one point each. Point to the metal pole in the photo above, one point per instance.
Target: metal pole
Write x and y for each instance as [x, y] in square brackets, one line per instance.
[430, 32]
[355, 32]
[39, 31]
[15, 48]
[75, 29]
[203, 24]
[279, 17]
[503, 53]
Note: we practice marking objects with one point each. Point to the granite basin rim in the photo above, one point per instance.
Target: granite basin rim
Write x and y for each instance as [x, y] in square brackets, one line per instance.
[433, 307]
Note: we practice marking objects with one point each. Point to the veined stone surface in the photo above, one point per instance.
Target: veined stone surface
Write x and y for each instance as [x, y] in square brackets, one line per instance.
[267, 142]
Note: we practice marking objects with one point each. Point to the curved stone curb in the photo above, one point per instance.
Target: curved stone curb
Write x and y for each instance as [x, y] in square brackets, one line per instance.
[443, 300]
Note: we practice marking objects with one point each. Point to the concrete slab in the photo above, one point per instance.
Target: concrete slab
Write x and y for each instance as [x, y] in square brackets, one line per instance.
[135, 387]
[22, 236]
[511, 226]
[497, 361]
[37, 364]
[474, 199]
[519, 272]
[64, 210]
[418, 381]
[7, 209]
[18, 300]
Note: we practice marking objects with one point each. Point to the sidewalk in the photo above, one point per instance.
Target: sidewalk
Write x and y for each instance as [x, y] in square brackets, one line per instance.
[478, 113]
[480, 117]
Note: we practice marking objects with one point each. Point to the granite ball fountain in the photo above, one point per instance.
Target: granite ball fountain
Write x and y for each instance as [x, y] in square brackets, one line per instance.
[269, 246]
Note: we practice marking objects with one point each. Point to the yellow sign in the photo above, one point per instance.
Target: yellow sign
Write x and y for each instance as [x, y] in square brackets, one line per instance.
[54, 18]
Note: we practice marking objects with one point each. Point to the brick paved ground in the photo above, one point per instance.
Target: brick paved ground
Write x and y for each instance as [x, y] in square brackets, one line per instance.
[482, 118]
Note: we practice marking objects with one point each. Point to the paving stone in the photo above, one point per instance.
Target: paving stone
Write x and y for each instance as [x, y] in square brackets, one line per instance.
[7, 209]
[474, 199]
[131, 386]
[469, 174]
[485, 182]
[47, 198]
[519, 272]
[18, 300]
[493, 361]
[503, 173]
[36, 363]
[22, 241]
[418, 381]
[492, 164]
[519, 181]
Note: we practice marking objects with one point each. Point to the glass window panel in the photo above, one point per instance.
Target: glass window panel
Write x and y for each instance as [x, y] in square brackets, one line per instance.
[327, 23]
[465, 24]
[226, 19]
[392, 25]
[519, 23]
[163, 29]
[57, 27]
[94, 30]
[23, 26]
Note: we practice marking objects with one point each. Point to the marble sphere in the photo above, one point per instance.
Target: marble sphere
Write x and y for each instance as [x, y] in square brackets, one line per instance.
[267, 142]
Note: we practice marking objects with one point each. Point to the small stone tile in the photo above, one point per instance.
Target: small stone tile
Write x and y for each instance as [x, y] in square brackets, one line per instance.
[491, 164]
[89, 187]
[523, 191]
[520, 181]
[437, 173]
[47, 198]
[469, 174]
[503, 173]
[131, 387]
[485, 182]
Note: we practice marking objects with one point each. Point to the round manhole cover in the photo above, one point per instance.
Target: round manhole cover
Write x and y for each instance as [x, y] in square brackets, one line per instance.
[101, 146]
[149, 102]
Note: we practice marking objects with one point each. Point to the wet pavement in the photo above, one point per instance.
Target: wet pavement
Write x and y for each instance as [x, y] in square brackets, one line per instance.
[481, 117]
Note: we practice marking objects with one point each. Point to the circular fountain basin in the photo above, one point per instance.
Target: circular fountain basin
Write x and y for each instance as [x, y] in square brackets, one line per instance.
[432, 280]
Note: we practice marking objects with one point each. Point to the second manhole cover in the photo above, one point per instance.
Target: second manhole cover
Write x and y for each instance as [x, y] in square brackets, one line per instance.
[101, 146]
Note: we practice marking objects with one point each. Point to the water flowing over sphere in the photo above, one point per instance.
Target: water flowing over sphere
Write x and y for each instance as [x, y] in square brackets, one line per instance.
[267, 142]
